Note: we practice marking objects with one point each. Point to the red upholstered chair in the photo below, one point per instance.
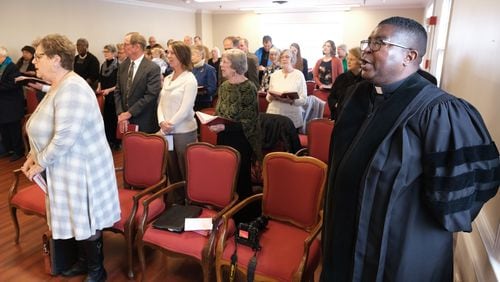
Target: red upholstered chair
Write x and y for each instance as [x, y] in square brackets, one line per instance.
[144, 166]
[29, 199]
[311, 85]
[319, 132]
[292, 197]
[205, 134]
[100, 101]
[211, 173]
[263, 103]
[31, 100]
[323, 95]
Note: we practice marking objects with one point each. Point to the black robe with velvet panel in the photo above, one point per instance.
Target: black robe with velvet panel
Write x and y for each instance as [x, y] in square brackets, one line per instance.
[406, 173]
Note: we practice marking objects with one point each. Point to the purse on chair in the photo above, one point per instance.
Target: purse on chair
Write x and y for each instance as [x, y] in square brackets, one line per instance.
[58, 255]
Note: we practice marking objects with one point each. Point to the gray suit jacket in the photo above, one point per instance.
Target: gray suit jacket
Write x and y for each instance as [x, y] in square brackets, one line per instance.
[142, 101]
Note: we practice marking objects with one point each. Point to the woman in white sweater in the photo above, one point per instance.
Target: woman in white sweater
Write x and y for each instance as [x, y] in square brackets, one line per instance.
[175, 109]
[288, 79]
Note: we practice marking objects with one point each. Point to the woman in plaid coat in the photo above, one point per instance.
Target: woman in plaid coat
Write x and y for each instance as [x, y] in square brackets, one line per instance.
[69, 145]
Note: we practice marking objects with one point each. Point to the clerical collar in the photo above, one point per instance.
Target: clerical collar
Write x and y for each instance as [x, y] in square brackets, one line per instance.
[388, 89]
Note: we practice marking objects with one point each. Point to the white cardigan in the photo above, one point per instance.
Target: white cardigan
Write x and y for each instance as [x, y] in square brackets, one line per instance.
[294, 82]
[177, 101]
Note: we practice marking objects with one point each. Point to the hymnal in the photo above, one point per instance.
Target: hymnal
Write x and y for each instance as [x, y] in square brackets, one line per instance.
[124, 128]
[290, 95]
[24, 80]
[40, 181]
[211, 120]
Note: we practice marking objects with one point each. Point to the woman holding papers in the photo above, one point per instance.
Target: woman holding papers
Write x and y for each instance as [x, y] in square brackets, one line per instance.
[175, 111]
[68, 144]
[238, 102]
[290, 80]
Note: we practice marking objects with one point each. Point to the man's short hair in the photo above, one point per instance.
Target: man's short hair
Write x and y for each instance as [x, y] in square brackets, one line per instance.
[137, 38]
[234, 39]
[266, 39]
[414, 33]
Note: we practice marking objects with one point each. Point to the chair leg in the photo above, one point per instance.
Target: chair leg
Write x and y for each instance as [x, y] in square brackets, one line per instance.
[142, 261]
[13, 215]
[130, 245]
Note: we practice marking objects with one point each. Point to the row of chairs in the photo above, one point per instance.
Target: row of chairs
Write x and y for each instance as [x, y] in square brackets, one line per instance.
[289, 181]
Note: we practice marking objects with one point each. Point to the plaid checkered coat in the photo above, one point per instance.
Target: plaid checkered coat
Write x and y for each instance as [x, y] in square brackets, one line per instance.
[67, 137]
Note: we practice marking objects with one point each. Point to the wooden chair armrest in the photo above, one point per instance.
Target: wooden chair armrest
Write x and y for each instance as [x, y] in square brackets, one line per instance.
[15, 183]
[143, 221]
[229, 214]
[307, 244]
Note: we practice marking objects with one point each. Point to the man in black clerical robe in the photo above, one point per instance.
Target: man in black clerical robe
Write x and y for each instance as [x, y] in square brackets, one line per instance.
[410, 165]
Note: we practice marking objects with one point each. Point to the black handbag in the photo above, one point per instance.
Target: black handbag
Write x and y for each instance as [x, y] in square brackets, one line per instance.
[58, 255]
[173, 218]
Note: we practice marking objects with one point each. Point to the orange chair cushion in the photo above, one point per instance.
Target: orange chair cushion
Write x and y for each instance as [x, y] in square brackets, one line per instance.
[281, 253]
[188, 242]
[30, 199]
[126, 204]
[143, 160]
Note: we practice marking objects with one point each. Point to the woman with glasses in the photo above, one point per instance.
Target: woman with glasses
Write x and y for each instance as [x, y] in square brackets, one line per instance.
[68, 146]
[327, 68]
[106, 87]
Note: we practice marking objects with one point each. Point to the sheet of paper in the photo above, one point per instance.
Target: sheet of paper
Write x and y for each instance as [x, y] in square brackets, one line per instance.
[170, 141]
[193, 224]
[40, 182]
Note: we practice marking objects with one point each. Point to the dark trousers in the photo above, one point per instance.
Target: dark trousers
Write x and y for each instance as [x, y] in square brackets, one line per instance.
[110, 120]
[12, 137]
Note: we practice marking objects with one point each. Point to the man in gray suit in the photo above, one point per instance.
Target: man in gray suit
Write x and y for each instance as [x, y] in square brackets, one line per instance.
[138, 86]
[252, 74]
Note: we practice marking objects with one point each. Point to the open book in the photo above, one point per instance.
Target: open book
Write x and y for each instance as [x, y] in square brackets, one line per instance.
[290, 95]
[211, 120]
[40, 181]
[24, 80]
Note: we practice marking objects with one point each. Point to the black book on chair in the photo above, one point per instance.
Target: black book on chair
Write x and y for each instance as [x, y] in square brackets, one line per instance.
[173, 218]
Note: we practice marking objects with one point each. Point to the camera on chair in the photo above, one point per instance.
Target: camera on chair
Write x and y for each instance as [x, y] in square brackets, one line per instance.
[248, 233]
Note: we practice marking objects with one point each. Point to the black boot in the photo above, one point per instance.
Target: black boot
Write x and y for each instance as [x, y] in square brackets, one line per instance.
[80, 266]
[95, 260]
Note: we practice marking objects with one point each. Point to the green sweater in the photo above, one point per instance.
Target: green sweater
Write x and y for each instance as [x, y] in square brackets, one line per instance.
[239, 102]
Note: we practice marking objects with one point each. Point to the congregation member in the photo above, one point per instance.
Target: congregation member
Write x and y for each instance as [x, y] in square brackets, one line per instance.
[138, 86]
[274, 57]
[106, 87]
[120, 53]
[69, 147]
[152, 43]
[25, 63]
[86, 64]
[263, 56]
[327, 69]
[344, 81]
[175, 112]
[188, 40]
[233, 42]
[237, 101]
[214, 61]
[198, 42]
[287, 79]
[205, 76]
[301, 63]
[342, 55]
[411, 165]
[253, 63]
[11, 107]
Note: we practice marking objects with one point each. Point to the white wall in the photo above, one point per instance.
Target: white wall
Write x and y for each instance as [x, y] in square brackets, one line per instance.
[101, 22]
[341, 27]
[471, 71]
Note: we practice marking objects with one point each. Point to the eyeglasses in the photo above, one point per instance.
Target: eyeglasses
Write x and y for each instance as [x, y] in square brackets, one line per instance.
[39, 56]
[375, 45]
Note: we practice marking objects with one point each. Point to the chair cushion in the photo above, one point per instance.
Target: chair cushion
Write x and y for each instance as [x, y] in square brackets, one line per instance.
[30, 199]
[126, 204]
[281, 253]
[188, 242]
